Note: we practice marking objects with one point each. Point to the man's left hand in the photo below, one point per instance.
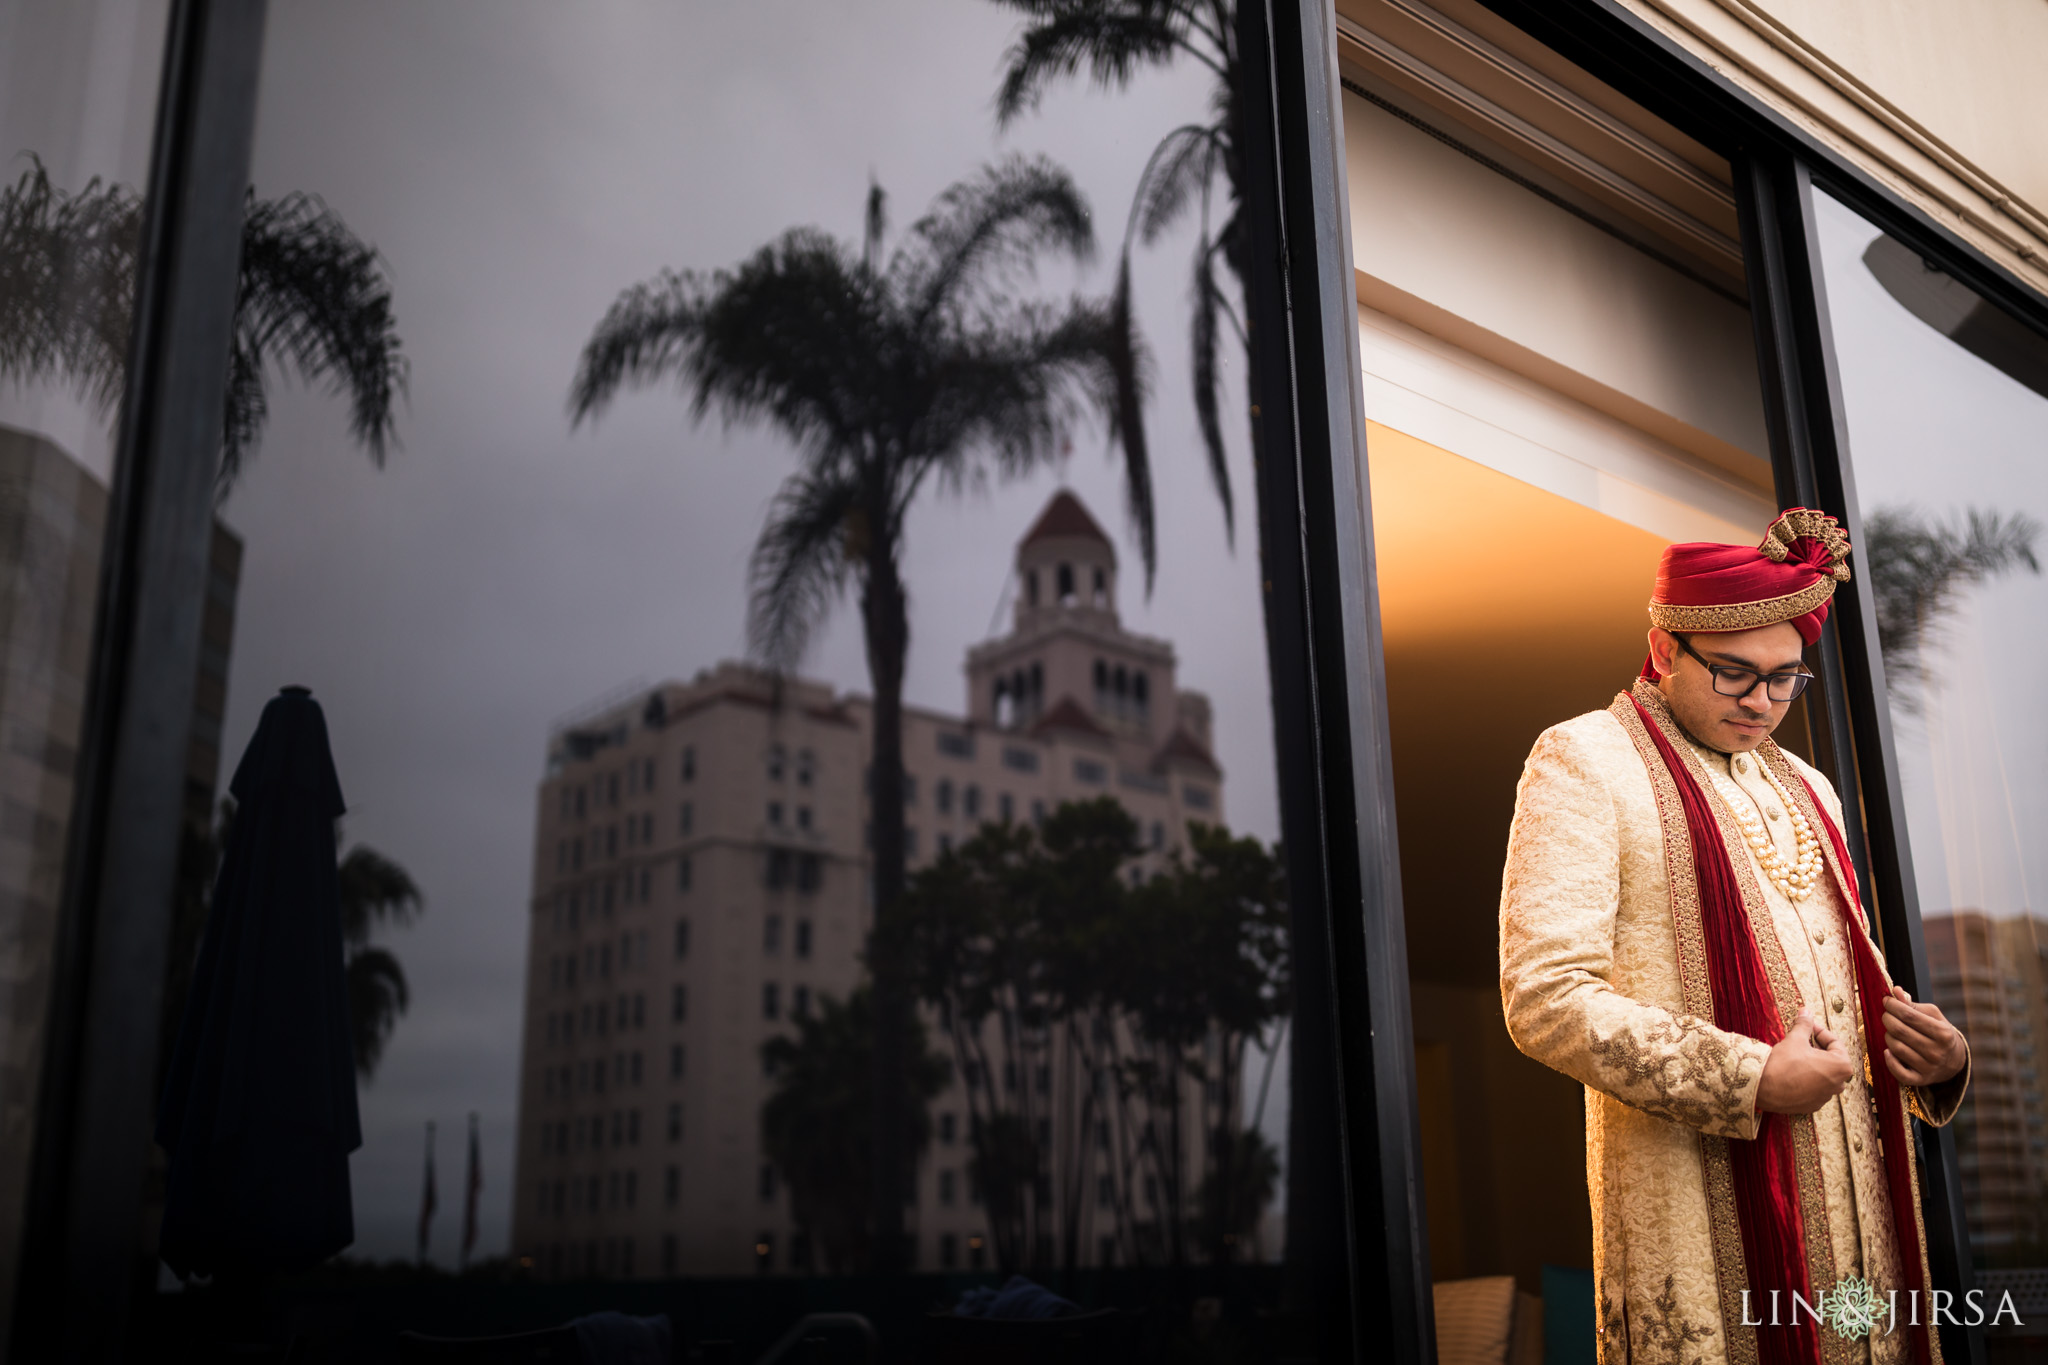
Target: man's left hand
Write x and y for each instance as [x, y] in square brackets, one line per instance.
[1920, 1045]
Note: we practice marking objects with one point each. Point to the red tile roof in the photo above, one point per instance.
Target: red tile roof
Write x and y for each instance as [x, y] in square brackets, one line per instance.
[1065, 516]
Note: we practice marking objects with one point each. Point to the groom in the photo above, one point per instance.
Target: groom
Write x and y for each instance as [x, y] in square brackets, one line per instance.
[1680, 931]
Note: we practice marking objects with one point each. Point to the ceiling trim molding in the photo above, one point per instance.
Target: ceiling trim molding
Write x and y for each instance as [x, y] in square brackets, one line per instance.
[1943, 175]
[1516, 131]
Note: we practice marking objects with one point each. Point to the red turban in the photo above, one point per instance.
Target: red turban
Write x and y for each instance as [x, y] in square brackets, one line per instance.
[1704, 588]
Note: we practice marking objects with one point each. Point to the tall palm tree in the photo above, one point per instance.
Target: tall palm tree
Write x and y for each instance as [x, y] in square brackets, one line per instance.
[889, 374]
[312, 299]
[1114, 39]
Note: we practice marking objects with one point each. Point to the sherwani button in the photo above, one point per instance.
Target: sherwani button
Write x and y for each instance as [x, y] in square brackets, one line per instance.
[1838, 1004]
[1857, 1143]
[1774, 812]
[1820, 936]
[1742, 765]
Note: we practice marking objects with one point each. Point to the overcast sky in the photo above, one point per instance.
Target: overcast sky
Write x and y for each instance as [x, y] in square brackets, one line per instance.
[518, 164]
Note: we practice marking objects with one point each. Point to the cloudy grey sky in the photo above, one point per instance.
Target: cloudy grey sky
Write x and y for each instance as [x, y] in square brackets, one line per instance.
[518, 164]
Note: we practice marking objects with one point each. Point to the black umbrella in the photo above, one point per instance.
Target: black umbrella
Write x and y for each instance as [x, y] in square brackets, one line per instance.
[259, 1107]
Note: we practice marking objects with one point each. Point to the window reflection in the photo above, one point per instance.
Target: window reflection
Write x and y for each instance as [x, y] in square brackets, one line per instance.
[1944, 401]
[560, 658]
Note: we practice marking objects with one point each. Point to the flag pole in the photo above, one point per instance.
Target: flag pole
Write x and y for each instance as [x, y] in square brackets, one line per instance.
[473, 1187]
[427, 1200]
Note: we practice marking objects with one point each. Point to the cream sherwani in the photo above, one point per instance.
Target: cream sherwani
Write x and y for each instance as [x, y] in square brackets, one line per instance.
[1591, 984]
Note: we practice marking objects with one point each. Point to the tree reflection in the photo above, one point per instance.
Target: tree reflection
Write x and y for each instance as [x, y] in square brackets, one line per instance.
[887, 374]
[1917, 568]
[1099, 1027]
[312, 298]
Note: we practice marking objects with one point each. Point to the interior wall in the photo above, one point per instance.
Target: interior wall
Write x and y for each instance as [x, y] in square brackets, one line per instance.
[1456, 249]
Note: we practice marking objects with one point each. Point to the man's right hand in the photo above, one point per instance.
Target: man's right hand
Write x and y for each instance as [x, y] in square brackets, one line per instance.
[1805, 1070]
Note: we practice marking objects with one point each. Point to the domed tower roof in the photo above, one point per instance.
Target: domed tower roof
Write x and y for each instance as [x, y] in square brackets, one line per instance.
[1064, 518]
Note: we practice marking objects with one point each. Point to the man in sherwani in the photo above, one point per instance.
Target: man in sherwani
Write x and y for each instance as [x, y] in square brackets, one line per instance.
[1680, 931]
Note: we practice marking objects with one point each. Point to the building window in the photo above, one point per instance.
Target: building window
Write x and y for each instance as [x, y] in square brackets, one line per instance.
[675, 1123]
[675, 1061]
[771, 1000]
[688, 818]
[775, 814]
[689, 764]
[799, 1002]
[956, 744]
[1038, 812]
[1006, 808]
[633, 1071]
[633, 1121]
[806, 765]
[1196, 798]
[942, 796]
[682, 938]
[776, 761]
[1089, 771]
[946, 1179]
[948, 1130]
[803, 938]
[678, 1003]
[1019, 759]
[810, 872]
[639, 1009]
[579, 803]
[767, 1184]
[970, 801]
[771, 934]
[684, 872]
[671, 1193]
[780, 868]
[1158, 835]
[803, 817]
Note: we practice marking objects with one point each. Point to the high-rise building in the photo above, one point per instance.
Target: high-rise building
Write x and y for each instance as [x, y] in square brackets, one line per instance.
[700, 879]
[53, 516]
[1991, 980]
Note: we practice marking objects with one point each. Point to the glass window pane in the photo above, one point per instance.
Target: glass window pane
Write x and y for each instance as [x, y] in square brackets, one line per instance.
[1946, 400]
[743, 339]
[78, 85]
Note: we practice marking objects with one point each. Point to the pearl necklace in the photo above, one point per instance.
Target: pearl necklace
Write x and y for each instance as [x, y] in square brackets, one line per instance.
[1796, 878]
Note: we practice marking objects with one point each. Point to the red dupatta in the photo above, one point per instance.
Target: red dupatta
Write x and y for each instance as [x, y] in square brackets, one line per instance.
[1768, 1198]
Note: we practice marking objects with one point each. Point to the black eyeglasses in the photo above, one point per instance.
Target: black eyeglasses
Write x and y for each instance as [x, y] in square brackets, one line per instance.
[1740, 682]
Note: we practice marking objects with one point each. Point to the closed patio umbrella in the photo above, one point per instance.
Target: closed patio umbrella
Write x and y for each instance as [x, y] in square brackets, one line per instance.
[258, 1113]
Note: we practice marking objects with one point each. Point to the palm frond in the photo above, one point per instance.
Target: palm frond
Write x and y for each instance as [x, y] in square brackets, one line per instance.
[641, 338]
[374, 890]
[67, 283]
[314, 297]
[800, 564]
[790, 336]
[1113, 38]
[1129, 368]
[377, 995]
[987, 230]
[1918, 566]
[1176, 175]
[1202, 333]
